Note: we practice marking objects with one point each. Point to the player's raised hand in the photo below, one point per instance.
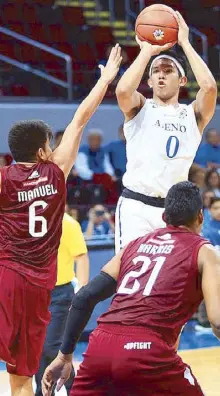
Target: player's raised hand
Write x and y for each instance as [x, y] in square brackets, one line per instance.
[109, 72]
[57, 372]
[183, 34]
[153, 49]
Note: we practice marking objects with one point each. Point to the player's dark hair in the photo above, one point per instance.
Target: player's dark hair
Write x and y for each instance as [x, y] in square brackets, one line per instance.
[213, 201]
[26, 137]
[176, 54]
[183, 204]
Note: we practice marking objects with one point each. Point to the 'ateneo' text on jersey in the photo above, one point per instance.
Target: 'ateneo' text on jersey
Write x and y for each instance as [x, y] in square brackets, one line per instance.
[37, 192]
[172, 127]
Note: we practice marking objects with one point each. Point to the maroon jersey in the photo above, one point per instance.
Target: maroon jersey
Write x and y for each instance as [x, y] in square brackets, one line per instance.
[159, 284]
[32, 202]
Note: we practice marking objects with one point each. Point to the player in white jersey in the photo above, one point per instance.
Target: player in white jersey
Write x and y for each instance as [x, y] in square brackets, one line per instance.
[162, 135]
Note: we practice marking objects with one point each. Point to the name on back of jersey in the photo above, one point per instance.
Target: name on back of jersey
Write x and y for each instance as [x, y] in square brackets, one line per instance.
[163, 244]
[37, 192]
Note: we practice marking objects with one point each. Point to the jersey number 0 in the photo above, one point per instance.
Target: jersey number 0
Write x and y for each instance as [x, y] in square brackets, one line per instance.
[33, 219]
[159, 261]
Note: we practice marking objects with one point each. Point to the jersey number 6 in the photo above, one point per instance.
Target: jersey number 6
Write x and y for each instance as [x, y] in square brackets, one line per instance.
[159, 261]
[33, 219]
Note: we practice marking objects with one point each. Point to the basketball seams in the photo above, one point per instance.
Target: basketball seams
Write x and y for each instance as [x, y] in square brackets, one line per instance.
[154, 25]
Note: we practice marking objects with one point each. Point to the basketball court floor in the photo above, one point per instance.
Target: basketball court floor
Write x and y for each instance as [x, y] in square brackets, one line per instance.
[200, 351]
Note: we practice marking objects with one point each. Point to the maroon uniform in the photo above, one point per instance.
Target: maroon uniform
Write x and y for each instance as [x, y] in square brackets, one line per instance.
[32, 202]
[132, 352]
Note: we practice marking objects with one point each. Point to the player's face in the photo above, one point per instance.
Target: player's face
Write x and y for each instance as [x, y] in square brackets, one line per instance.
[44, 153]
[215, 210]
[165, 79]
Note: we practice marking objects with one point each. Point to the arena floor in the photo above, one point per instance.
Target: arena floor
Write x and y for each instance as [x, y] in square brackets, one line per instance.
[201, 351]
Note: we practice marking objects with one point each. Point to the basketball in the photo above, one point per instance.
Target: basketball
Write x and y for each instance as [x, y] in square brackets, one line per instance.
[157, 24]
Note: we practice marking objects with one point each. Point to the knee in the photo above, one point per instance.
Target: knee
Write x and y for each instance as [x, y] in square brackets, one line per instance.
[19, 382]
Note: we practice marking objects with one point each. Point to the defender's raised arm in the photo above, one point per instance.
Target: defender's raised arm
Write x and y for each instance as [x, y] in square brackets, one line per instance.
[64, 156]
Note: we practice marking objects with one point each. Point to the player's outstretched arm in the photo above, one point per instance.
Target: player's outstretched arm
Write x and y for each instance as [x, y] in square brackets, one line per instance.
[205, 103]
[209, 266]
[64, 156]
[129, 99]
[98, 289]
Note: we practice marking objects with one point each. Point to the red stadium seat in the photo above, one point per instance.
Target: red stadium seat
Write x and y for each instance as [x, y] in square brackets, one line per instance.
[19, 90]
[210, 3]
[39, 33]
[66, 48]
[73, 15]
[18, 28]
[8, 48]
[102, 35]
[11, 13]
[28, 54]
[132, 52]
[29, 13]
[57, 34]
[212, 35]
[86, 54]
[56, 69]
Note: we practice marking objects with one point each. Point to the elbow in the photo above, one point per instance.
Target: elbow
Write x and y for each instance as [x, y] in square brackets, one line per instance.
[121, 91]
[210, 86]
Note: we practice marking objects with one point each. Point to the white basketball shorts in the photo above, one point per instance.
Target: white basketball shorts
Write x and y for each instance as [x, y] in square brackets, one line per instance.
[134, 219]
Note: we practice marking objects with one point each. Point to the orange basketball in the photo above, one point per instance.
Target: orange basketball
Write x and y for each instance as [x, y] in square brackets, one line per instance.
[157, 25]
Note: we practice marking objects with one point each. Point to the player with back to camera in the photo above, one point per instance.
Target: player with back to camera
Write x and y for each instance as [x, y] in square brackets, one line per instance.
[159, 280]
[162, 136]
[32, 203]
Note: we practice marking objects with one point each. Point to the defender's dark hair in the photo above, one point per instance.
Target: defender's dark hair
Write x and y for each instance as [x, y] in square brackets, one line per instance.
[213, 201]
[26, 137]
[178, 55]
[182, 204]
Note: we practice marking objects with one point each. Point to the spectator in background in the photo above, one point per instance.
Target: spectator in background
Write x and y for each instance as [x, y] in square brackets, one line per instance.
[208, 154]
[3, 161]
[207, 196]
[212, 181]
[211, 231]
[197, 175]
[92, 158]
[72, 249]
[117, 154]
[99, 222]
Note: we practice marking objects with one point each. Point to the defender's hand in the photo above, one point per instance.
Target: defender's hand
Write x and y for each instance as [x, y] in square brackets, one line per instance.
[183, 34]
[152, 49]
[109, 72]
[58, 371]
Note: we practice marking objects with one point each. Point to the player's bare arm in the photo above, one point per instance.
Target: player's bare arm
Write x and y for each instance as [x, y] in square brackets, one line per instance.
[129, 99]
[204, 105]
[64, 156]
[100, 288]
[209, 267]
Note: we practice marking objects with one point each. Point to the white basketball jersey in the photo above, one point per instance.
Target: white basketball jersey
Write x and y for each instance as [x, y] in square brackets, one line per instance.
[161, 145]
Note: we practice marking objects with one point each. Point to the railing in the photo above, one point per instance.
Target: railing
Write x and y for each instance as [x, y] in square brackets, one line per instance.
[27, 68]
[217, 47]
[204, 40]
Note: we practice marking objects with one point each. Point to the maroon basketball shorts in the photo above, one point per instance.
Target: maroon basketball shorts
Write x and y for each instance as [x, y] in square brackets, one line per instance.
[24, 317]
[130, 361]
